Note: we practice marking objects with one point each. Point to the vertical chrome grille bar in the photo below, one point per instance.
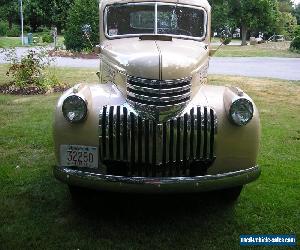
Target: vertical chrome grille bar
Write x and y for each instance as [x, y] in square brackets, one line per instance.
[171, 158]
[110, 132]
[125, 146]
[118, 130]
[147, 128]
[171, 141]
[178, 140]
[205, 134]
[154, 148]
[164, 153]
[132, 142]
[192, 134]
[178, 147]
[185, 142]
[140, 145]
[212, 134]
[198, 156]
[104, 132]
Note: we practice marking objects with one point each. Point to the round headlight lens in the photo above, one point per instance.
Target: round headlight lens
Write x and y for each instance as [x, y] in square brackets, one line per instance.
[74, 109]
[241, 111]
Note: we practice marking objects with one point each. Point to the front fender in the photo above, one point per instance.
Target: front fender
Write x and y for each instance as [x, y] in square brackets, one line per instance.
[85, 133]
[236, 147]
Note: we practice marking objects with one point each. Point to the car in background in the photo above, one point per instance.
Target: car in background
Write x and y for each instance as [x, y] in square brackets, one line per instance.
[276, 38]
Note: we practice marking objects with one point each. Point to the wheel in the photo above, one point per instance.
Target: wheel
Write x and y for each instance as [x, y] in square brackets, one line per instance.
[230, 194]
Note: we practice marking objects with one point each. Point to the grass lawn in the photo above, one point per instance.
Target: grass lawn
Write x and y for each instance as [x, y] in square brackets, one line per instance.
[10, 42]
[271, 49]
[37, 211]
[67, 76]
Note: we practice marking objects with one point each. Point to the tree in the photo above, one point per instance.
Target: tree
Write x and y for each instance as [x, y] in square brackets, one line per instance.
[285, 6]
[296, 13]
[220, 15]
[39, 13]
[9, 11]
[286, 25]
[82, 13]
[253, 15]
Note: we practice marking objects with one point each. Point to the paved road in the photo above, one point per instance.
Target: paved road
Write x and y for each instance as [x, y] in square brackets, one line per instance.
[282, 68]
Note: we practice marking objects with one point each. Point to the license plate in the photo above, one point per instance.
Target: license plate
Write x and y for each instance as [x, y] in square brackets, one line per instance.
[79, 156]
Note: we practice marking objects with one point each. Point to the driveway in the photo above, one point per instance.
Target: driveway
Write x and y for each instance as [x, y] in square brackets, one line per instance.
[273, 67]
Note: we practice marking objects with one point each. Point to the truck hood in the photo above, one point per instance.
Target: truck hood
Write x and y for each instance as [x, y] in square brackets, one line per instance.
[153, 59]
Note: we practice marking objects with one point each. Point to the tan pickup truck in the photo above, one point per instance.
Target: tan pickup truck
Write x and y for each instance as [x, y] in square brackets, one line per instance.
[153, 124]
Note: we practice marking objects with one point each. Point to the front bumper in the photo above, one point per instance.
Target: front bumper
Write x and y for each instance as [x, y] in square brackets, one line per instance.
[156, 184]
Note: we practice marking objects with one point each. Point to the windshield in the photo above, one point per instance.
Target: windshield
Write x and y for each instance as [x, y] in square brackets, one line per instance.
[155, 18]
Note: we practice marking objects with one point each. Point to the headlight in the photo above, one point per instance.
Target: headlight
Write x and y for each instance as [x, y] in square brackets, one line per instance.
[241, 111]
[74, 109]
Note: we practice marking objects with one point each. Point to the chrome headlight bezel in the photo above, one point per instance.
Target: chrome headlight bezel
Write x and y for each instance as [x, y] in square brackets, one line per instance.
[81, 104]
[241, 105]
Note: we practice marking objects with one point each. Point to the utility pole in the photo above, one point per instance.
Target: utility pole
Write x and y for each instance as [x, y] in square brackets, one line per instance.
[22, 20]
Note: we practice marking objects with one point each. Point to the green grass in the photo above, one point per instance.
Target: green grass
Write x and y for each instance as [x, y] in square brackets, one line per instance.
[260, 50]
[67, 76]
[10, 42]
[37, 211]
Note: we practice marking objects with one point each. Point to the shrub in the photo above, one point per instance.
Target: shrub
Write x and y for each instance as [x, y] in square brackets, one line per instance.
[15, 31]
[47, 38]
[226, 40]
[30, 69]
[82, 13]
[27, 29]
[295, 45]
[297, 31]
[43, 29]
[3, 28]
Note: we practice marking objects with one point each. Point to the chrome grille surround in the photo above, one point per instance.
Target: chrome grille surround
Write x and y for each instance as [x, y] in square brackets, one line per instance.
[133, 146]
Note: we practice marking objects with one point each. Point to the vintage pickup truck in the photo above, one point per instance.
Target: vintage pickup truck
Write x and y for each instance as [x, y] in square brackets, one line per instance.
[153, 124]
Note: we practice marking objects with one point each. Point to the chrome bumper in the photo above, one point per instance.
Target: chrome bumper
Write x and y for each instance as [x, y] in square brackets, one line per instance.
[158, 184]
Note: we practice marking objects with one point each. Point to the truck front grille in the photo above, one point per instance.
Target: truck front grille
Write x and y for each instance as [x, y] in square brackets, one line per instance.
[159, 93]
[135, 147]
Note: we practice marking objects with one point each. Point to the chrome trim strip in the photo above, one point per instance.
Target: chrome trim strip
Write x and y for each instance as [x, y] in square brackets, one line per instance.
[161, 99]
[159, 91]
[157, 82]
[167, 184]
[161, 108]
[200, 39]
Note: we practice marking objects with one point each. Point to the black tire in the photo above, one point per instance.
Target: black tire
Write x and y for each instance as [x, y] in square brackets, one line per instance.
[230, 194]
